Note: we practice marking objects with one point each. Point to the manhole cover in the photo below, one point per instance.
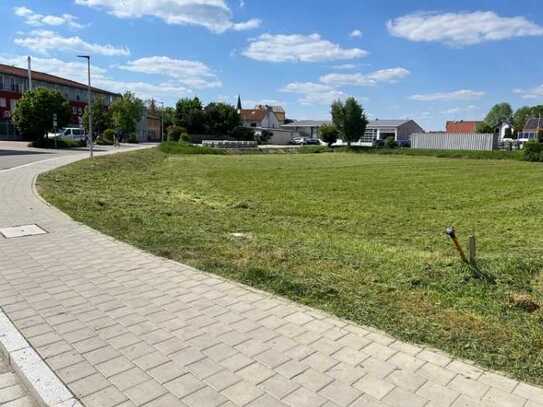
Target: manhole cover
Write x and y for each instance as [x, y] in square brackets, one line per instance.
[22, 231]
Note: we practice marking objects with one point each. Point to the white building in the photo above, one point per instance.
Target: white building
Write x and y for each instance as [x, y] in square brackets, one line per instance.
[401, 130]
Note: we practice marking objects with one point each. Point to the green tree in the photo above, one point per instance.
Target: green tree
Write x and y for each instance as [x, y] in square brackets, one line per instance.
[101, 116]
[33, 115]
[329, 134]
[502, 112]
[126, 112]
[483, 127]
[189, 114]
[221, 119]
[519, 118]
[349, 119]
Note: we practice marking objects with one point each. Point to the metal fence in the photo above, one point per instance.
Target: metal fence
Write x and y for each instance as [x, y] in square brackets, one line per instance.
[452, 141]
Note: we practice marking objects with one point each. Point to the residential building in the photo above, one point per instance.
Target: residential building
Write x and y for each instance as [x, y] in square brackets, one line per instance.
[148, 128]
[306, 128]
[14, 81]
[264, 116]
[462, 127]
[400, 130]
[532, 129]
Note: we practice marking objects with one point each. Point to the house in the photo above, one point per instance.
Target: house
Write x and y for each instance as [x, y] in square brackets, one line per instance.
[462, 127]
[14, 81]
[532, 129]
[306, 128]
[400, 130]
[263, 116]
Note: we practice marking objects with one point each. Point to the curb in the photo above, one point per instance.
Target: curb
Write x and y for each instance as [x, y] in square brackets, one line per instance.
[46, 388]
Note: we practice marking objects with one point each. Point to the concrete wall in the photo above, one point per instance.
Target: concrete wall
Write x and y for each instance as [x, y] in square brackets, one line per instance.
[449, 141]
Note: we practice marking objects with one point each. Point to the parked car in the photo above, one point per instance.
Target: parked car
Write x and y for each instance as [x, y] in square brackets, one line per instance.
[69, 133]
[298, 140]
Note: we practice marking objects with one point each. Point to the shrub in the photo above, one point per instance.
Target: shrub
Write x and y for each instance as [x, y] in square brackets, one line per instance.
[390, 142]
[133, 139]
[170, 147]
[107, 138]
[185, 138]
[243, 134]
[533, 150]
[264, 137]
[329, 134]
[175, 133]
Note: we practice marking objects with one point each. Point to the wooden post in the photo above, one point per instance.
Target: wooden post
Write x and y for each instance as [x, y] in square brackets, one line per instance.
[472, 249]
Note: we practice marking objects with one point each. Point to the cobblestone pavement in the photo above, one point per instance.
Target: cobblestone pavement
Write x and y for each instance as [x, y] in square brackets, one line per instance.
[125, 328]
[12, 391]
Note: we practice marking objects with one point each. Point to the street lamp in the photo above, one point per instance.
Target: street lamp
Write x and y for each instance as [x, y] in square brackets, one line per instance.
[87, 57]
[162, 122]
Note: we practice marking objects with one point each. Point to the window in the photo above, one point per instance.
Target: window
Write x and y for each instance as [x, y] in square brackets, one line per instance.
[1, 82]
[12, 104]
[3, 102]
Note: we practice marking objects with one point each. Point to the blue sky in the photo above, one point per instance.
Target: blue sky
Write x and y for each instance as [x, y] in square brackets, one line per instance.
[430, 60]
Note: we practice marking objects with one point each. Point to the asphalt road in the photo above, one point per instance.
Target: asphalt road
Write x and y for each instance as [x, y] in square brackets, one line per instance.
[10, 158]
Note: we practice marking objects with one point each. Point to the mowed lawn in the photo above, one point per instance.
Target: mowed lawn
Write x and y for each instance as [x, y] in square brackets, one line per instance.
[358, 235]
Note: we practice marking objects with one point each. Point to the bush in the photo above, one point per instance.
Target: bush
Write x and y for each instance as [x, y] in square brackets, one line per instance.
[243, 134]
[390, 142]
[185, 138]
[533, 151]
[107, 138]
[175, 133]
[264, 137]
[329, 134]
[133, 139]
[170, 147]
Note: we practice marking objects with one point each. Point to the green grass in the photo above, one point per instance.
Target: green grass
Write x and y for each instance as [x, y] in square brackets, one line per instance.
[358, 235]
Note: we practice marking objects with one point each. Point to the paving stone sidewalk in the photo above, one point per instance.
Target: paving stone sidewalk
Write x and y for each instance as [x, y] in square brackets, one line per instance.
[124, 328]
[12, 391]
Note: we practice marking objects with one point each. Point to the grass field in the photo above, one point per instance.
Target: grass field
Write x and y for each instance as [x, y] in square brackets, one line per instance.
[359, 235]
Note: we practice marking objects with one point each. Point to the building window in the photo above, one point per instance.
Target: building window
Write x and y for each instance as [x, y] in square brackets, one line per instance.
[3, 102]
[1, 82]
[12, 104]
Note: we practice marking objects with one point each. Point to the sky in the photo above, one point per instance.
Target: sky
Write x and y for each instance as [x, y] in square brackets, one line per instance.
[427, 60]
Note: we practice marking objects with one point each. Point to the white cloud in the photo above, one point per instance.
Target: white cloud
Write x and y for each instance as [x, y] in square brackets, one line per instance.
[345, 67]
[43, 41]
[297, 47]
[37, 20]
[533, 93]
[359, 79]
[463, 94]
[215, 15]
[356, 34]
[456, 110]
[193, 74]
[458, 29]
[314, 93]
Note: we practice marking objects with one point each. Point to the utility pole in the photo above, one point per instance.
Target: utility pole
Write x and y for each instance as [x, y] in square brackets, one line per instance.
[87, 57]
[162, 122]
[29, 59]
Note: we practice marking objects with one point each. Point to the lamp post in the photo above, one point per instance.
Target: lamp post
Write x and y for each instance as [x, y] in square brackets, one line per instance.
[162, 122]
[87, 57]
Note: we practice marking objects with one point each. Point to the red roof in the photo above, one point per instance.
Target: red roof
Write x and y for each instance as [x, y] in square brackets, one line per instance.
[45, 77]
[252, 115]
[462, 126]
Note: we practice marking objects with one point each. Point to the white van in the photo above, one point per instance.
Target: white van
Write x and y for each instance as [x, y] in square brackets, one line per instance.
[69, 133]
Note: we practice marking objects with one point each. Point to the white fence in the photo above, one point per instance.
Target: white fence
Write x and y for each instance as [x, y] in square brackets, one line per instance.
[452, 141]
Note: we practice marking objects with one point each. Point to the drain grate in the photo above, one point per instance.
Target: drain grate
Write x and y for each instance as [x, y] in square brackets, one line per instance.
[22, 231]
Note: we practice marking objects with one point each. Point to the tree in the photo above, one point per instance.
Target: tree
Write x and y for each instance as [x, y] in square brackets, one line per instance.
[221, 118]
[483, 127]
[190, 115]
[101, 116]
[520, 117]
[349, 119]
[329, 134]
[502, 112]
[126, 112]
[33, 115]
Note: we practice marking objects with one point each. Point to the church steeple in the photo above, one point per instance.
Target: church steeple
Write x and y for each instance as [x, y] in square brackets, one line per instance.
[239, 104]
